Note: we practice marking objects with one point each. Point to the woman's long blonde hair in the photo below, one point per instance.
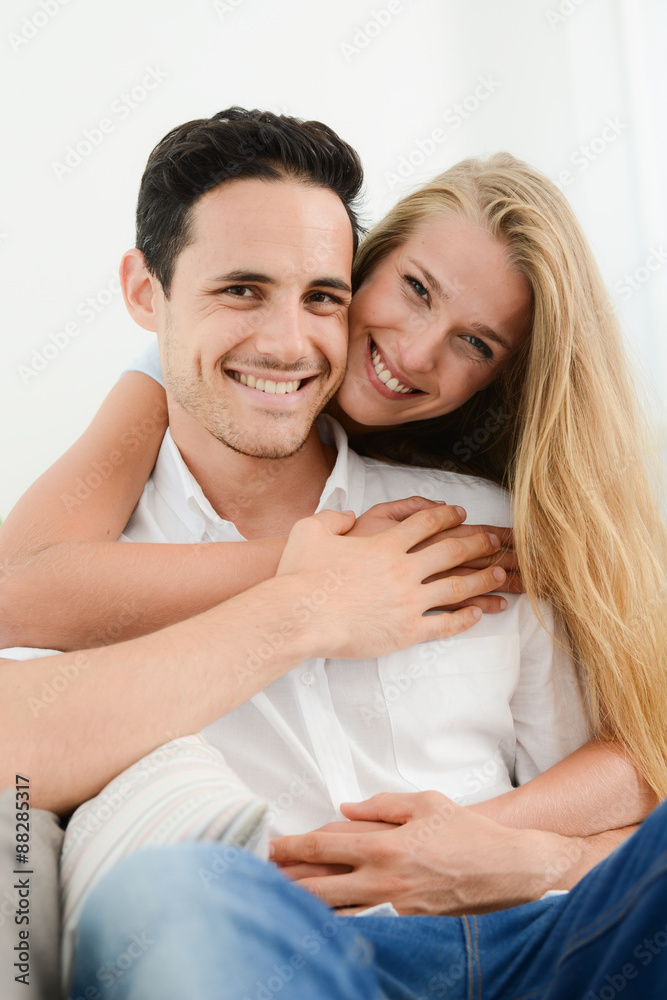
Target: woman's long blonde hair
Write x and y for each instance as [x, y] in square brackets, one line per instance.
[570, 442]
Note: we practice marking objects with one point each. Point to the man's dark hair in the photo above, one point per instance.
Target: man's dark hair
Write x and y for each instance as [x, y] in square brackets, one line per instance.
[231, 145]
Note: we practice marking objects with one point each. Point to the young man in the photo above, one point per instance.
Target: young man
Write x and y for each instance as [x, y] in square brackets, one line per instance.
[254, 287]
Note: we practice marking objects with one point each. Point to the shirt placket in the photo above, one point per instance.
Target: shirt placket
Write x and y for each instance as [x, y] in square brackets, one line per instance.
[329, 741]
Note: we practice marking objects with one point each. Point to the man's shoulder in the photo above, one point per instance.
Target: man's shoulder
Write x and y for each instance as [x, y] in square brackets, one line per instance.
[482, 499]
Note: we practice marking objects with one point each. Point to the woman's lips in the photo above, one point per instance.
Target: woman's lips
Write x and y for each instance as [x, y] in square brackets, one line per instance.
[389, 385]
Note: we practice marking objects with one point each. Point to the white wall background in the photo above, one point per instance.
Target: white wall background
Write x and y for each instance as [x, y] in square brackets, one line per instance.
[557, 73]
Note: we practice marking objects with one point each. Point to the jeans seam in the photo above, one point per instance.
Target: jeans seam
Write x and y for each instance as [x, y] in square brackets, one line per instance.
[612, 915]
[477, 961]
[471, 972]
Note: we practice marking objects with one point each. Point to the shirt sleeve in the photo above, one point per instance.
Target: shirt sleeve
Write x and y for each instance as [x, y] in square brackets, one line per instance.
[551, 717]
[148, 362]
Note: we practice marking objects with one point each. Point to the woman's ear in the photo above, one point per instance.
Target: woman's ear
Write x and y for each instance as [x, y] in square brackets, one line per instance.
[141, 290]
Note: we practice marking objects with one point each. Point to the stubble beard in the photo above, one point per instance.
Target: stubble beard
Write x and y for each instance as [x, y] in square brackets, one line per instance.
[213, 412]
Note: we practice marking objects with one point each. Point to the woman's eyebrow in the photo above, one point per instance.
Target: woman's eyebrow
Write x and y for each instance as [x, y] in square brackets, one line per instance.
[437, 287]
[486, 331]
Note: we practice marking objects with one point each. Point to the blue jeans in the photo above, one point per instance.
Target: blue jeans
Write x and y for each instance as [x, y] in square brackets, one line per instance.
[208, 922]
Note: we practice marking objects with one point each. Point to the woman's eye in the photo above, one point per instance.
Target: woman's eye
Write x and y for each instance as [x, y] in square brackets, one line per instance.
[480, 346]
[420, 289]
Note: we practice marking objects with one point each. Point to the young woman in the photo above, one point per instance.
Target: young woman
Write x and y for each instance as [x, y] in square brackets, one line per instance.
[446, 368]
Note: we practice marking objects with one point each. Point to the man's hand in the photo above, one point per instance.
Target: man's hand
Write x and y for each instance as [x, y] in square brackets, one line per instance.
[368, 596]
[438, 858]
[383, 515]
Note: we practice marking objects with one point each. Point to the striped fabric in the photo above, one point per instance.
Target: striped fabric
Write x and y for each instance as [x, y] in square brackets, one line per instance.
[182, 791]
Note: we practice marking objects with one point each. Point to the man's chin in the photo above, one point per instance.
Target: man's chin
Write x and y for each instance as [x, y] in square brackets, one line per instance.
[271, 450]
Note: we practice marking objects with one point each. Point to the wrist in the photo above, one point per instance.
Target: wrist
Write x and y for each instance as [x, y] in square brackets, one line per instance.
[551, 861]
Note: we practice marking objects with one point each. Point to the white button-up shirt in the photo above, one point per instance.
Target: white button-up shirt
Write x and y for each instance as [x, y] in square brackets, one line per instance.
[469, 716]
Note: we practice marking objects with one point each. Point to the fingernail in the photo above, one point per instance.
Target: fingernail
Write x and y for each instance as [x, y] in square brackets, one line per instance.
[495, 541]
[503, 603]
[476, 613]
[498, 573]
[461, 511]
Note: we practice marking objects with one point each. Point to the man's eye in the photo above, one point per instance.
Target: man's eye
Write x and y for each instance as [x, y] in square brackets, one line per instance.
[240, 291]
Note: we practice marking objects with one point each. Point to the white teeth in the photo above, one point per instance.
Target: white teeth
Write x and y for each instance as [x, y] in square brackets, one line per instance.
[267, 385]
[385, 375]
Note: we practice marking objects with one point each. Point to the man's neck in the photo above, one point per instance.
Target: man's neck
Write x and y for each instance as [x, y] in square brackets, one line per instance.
[262, 497]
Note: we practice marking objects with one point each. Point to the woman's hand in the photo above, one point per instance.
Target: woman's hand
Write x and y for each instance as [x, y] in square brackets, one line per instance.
[383, 515]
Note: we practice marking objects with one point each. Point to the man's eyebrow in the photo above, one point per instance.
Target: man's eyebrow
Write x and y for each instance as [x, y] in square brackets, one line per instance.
[241, 277]
[244, 277]
[482, 328]
[330, 282]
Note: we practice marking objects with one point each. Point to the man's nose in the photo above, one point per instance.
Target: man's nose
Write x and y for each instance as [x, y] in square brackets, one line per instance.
[283, 333]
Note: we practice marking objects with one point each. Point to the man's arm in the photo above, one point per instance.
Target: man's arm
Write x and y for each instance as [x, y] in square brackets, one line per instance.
[439, 858]
[73, 722]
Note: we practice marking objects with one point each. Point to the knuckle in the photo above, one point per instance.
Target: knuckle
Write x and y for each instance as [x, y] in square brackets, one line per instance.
[431, 519]
[457, 588]
[456, 549]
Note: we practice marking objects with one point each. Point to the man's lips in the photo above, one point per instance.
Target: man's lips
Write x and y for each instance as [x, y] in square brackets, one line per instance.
[269, 384]
[386, 378]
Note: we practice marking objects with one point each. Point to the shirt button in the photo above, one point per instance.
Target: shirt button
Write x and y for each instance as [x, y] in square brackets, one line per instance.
[307, 679]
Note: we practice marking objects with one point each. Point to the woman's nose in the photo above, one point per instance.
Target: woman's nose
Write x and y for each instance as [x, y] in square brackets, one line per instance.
[420, 347]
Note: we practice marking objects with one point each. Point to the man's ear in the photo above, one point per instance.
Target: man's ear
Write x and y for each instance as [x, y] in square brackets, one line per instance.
[141, 290]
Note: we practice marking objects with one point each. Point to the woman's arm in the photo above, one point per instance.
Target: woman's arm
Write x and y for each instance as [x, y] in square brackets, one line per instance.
[596, 788]
[66, 584]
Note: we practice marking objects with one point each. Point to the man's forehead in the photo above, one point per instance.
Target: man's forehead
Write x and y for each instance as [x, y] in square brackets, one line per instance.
[261, 213]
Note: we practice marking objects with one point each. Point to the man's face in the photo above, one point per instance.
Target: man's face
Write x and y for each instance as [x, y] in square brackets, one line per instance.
[253, 337]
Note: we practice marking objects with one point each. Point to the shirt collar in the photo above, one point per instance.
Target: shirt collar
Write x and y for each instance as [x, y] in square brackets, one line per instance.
[343, 490]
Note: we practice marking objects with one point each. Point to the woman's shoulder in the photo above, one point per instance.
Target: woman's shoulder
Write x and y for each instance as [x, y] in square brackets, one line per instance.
[483, 500]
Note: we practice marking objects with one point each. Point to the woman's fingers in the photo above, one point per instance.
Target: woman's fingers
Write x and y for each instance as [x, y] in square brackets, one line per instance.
[501, 557]
[453, 552]
[425, 523]
[455, 590]
[490, 604]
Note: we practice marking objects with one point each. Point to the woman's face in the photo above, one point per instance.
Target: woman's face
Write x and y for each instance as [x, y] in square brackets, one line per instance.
[432, 325]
